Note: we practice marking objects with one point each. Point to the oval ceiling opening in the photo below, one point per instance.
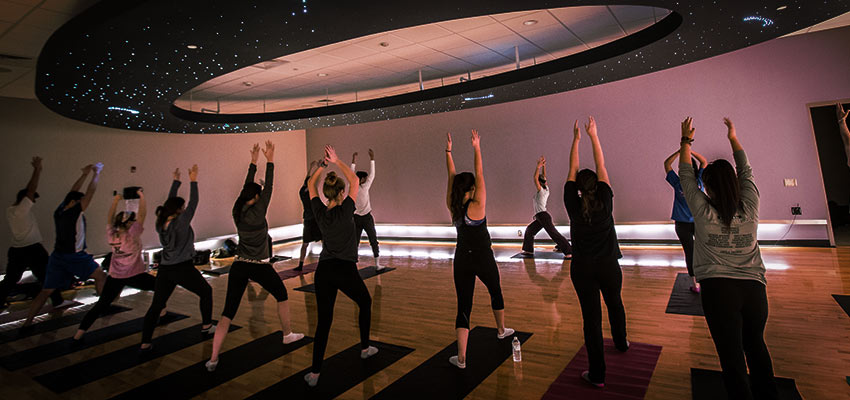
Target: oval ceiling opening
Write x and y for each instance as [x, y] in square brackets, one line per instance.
[416, 58]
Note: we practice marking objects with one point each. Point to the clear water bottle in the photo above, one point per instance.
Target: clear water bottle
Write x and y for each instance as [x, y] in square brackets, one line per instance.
[517, 350]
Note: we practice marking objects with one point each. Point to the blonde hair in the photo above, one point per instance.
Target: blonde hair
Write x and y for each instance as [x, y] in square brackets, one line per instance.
[333, 186]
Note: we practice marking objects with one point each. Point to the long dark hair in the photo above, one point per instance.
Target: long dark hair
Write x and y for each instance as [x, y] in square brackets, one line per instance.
[721, 182]
[249, 191]
[120, 223]
[170, 207]
[586, 181]
[462, 183]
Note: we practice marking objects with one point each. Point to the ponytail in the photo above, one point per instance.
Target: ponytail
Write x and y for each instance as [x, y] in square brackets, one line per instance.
[586, 180]
[249, 191]
[170, 207]
[462, 183]
[721, 182]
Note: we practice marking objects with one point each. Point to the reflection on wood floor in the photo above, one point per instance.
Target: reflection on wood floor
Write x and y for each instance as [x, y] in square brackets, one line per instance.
[808, 333]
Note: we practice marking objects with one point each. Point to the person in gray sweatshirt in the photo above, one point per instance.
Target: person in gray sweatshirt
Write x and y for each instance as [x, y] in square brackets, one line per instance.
[173, 225]
[253, 254]
[728, 265]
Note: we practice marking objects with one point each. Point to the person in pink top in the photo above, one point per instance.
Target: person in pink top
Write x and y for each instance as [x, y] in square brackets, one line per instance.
[126, 268]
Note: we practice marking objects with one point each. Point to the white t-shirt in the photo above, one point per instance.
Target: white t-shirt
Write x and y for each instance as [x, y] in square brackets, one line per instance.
[362, 204]
[540, 200]
[23, 224]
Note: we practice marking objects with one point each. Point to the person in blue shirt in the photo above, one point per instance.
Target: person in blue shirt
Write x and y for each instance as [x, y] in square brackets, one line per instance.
[681, 213]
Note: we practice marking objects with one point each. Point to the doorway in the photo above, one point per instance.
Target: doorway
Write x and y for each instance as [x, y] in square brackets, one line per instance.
[834, 168]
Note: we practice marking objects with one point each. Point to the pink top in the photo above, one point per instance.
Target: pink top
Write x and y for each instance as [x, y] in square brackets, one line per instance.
[126, 251]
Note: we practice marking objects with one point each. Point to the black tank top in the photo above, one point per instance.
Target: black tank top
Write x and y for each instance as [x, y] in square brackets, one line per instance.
[472, 235]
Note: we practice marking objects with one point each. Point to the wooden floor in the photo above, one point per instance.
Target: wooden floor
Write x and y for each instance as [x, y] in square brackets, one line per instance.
[808, 334]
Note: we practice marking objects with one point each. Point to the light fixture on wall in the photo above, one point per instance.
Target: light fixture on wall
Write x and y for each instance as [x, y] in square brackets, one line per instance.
[322, 74]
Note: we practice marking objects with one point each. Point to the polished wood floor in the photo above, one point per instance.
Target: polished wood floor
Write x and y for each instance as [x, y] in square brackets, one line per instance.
[808, 334]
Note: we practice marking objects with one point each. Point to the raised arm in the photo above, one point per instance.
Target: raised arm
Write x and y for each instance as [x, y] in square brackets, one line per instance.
[186, 216]
[571, 176]
[842, 128]
[86, 200]
[175, 184]
[311, 184]
[371, 177]
[82, 179]
[598, 157]
[252, 169]
[143, 208]
[479, 199]
[697, 202]
[668, 163]
[702, 161]
[114, 207]
[450, 168]
[266, 194]
[749, 191]
[32, 185]
[350, 176]
[537, 173]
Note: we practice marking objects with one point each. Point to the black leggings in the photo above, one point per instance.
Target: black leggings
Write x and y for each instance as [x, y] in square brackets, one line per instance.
[543, 220]
[467, 265]
[237, 281]
[736, 313]
[111, 290]
[33, 257]
[685, 232]
[589, 279]
[167, 278]
[332, 275]
[367, 223]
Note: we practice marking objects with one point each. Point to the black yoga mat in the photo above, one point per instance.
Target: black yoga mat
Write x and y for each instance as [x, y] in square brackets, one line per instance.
[13, 316]
[195, 379]
[682, 300]
[54, 324]
[108, 364]
[49, 351]
[365, 273]
[216, 271]
[437, 379]
[544, 255]
[340, 373]
[708, 385]
[843, 301]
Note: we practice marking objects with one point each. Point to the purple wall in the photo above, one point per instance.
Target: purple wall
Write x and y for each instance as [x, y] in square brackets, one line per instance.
[764, 89]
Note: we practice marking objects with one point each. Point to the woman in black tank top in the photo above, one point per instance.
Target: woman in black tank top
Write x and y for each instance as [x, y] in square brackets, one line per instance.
[466, 198]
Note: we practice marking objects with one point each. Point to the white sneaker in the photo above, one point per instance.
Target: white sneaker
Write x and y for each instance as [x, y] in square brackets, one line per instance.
[208, 331]
[292, 337]
[453, 360]
[211, 365]
[311, 379]
[506, 333]
[368, 352]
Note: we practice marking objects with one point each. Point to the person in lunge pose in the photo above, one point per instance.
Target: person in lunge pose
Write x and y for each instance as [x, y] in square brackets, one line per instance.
[252, 254]
[542, 219]
[69, 259]
[337, 269]
[684, 221]
[595, 267]
[126, 267]
[26, 250]
[728, 265]
[173, 225]
[363, 208]
[310, 231]
[466, 199]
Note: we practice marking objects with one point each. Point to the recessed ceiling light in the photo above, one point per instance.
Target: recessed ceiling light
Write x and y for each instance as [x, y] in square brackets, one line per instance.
[248, 83]
[192, 46]
[384, 44]
[321, 74]
[530, 22]
[780, 8]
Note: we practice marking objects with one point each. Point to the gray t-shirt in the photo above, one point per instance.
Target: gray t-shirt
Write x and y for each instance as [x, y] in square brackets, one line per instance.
[253, 230]
[721, 251]
[178, 238]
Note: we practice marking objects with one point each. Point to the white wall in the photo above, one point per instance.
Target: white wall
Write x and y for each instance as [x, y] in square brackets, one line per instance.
[30, 129]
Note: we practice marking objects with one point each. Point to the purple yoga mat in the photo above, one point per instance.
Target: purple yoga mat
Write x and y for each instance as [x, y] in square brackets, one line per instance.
[21, 314]
[292, 273]
[627, 374]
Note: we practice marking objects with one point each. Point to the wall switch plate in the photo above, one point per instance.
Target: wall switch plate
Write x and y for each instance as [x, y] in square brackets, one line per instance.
[790, 182]
[796, 211]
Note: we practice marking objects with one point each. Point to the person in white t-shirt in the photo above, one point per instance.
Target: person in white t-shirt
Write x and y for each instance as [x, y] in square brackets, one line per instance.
[26, 250]
[542, 219]
[363, 208]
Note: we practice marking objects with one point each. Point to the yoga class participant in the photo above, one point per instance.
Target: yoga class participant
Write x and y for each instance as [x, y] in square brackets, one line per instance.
[69, 260]
[310, 231]
[728, 265]
[842, 129]
[363, 208]
[466, 199]
[252, 254]
[684, 221]
[26, 250]
[173, 225]
[594, 268]
[337, 269]
[542, 219]
[126, 268]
